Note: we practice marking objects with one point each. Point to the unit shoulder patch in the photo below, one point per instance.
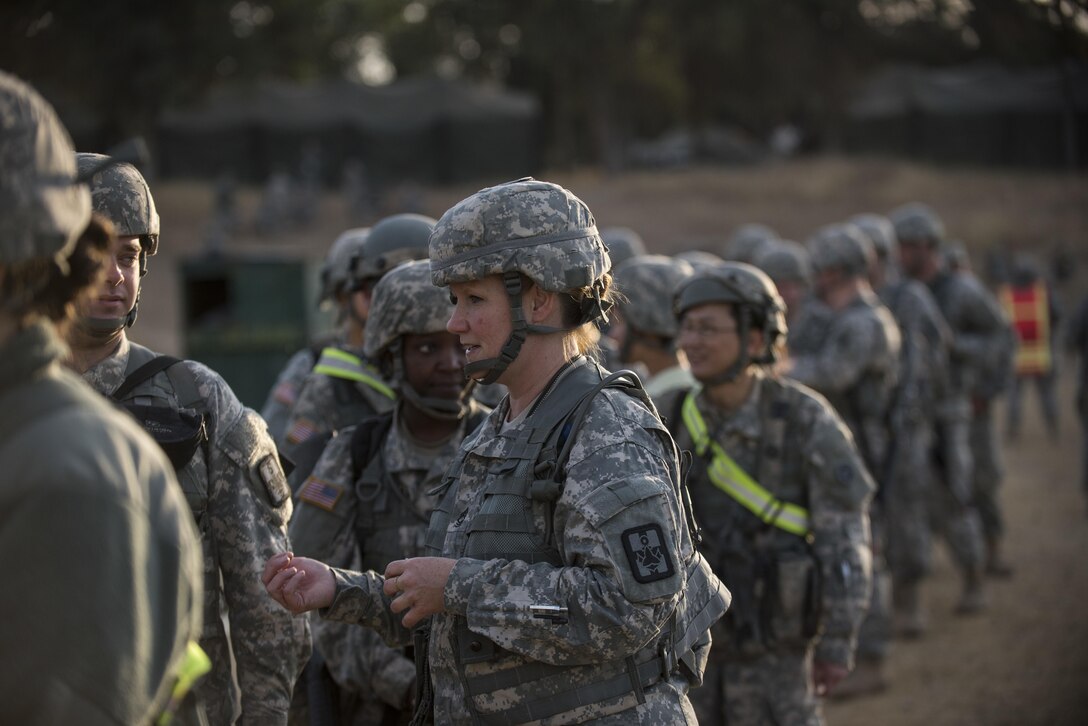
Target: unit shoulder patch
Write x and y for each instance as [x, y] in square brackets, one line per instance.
[647, 554]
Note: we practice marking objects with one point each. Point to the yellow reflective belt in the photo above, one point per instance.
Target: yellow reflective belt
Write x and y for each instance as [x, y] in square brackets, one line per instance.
[341, 364]
[195, 664]
[730, 478]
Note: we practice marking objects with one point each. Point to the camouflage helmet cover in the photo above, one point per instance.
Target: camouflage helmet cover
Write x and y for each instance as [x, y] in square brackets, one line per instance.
[747, 240]
[336, 268]
[742, 285]
[649, 283]
[917, 222]
[405, 302]
[393, 240]
[120, 194]
[785, 260]
[43, 209]
[880, 231]
[841, 246]
[622, 244]
[536, 228]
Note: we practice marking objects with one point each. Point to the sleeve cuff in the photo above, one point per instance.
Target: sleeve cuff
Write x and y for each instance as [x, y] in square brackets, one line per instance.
[459, 585]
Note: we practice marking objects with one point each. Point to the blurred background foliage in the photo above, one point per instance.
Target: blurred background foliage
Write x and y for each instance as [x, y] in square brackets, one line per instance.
[606, 72]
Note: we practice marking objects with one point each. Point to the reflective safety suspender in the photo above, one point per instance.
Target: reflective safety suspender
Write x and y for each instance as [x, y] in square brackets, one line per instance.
[341, 364]
[726, 475]
[193, 665]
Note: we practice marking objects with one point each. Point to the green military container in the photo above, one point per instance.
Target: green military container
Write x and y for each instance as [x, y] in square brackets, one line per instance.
[244, 315]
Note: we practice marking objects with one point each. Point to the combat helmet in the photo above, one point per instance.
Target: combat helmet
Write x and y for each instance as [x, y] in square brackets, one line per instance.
[524, 227]
[917, 222]
[881, 233]
[120, 194]
[44, 210]
[648, 284]
[622, 243]
[756, 302]
[406, 303]
[699, 259]
[843, 247]
[785, 260]
[747, 241]
[336, 268]
[393, 240]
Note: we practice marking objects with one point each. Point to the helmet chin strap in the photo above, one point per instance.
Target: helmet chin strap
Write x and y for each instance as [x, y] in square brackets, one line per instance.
[591, 309]
[448, 409]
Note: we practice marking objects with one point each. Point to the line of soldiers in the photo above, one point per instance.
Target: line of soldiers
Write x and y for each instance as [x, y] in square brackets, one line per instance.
[809, 390]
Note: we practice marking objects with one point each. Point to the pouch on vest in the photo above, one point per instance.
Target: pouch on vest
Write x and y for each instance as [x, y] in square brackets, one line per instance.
[793, 599]
[179, 432]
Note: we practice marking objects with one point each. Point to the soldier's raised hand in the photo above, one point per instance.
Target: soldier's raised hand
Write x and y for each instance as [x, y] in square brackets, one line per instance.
[299, 584]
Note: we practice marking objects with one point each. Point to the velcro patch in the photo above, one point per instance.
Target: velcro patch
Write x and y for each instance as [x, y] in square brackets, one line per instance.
[274, 480]
[303, 429]
[647, 554]
[320, 493]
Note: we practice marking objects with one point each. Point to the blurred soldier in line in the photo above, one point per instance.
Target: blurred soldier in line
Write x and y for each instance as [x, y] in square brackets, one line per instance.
[784, 497]
[856, 365]
[622, 244]
[103, 601]
[350, 323]
[643, 325]
[699, 259]
[344, 387]
[788, 265]
[919, 398]
[981, 355]
[225, 460]
[748, 242]
[371, 494]
[1029, 302]
[1077, 344]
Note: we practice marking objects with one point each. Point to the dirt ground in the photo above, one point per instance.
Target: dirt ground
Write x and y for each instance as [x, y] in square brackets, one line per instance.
[1024, 661]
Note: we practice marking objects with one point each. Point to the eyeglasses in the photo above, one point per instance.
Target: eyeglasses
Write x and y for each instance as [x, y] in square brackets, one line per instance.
[705, 331]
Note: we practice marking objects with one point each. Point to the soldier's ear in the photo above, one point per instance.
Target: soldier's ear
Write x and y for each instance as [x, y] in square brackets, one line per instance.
[540, 305]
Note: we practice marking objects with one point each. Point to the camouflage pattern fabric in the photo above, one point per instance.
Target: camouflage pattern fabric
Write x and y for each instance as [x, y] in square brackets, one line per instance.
[747, 242]
[821, 468]
[809, 327]
[487, 234]
[611, 616]
[284, 394]
[622, 244]
[785, 260]
[120, 194]
[772, 691]
[372, 676]
[241, 502]
[44, 210]
[326, 404]
[843, 247]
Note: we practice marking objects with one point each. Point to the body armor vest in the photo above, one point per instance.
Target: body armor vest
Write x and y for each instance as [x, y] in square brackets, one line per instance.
[515, 522]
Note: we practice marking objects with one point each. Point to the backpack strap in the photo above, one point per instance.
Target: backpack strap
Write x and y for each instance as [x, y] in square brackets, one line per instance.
[366, 441]
[143, 373]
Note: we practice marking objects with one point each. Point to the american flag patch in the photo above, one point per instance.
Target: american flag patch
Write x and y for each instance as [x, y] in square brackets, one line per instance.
[302, 430]
[286, 393]
[320, 493]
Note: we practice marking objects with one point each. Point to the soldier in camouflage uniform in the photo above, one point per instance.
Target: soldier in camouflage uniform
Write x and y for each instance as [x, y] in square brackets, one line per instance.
[778, 480]
[918, 399]
[369, 499]
[563, 584]
[104, 595]
[643, 324]
[344, 387]
[349, 330]
[622, 243]
[982, 348]
[788, 265]
[856, 367]
[225, 460]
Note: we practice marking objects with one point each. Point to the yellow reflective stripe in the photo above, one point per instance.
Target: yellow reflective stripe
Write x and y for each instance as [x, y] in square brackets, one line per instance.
[727, 476]
[194, 665]
[341, 364]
